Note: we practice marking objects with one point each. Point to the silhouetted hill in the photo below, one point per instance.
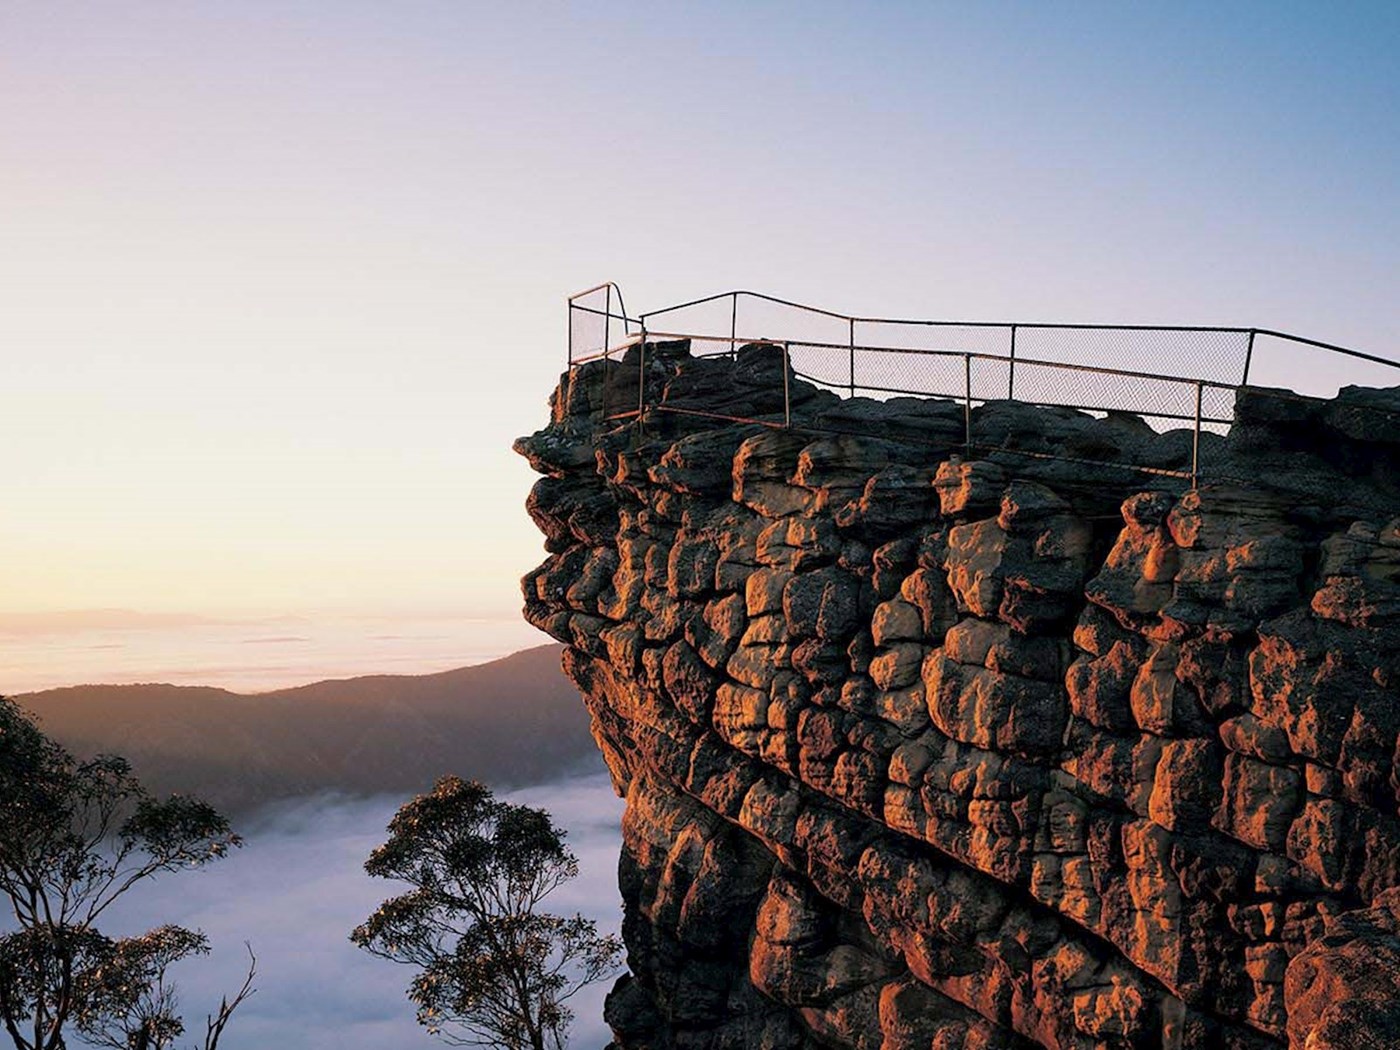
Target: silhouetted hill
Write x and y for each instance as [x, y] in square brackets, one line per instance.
[510, 722]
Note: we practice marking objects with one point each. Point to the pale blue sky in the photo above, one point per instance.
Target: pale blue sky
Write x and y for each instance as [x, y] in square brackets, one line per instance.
[279, 282]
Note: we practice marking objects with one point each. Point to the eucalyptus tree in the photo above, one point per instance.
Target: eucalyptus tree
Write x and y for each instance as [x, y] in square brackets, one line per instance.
[76, 837]
[493, 970]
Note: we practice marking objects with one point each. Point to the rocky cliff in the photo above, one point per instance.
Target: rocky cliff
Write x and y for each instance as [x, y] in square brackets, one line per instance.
[925, 747]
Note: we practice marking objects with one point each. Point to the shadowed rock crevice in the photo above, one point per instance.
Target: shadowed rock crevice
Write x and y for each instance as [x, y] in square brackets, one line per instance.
[932, 748]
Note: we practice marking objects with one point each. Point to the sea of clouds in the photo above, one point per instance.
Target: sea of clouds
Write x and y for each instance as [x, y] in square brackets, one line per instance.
[298, 887]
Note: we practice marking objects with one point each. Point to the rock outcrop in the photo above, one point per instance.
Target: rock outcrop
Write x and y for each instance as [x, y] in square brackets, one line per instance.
[930, 748]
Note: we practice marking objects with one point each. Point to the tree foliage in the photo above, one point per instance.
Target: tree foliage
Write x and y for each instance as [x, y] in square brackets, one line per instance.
[74, 838]
[492, 970]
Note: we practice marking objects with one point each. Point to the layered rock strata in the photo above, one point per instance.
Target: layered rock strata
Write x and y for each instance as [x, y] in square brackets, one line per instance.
[932, 749]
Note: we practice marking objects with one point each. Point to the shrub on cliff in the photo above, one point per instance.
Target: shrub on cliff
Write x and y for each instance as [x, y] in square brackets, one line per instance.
[493, 971]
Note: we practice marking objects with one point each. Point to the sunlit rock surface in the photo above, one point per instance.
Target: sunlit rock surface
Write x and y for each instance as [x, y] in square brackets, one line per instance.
[924, 750]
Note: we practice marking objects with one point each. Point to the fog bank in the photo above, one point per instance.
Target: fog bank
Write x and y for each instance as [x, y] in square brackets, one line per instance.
[297, 889]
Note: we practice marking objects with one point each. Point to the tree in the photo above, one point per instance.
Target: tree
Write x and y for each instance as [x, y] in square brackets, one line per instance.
[131, 1006]
[492, 970]
[74, 838]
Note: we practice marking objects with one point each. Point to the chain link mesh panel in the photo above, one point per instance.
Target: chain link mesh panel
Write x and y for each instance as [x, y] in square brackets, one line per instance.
[1147, 396]
[710, 346]
[1217, 356]
[994, 340]
[886, 374]
[1181, 382]
[714, 317]
[760, 318]
[588, 324]
[940, 369]
[823, 366]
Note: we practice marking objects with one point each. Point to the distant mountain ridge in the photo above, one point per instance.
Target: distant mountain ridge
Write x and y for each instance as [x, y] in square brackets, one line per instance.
[510, 722]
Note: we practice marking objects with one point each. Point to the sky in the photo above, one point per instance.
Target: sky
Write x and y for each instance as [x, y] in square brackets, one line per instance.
[280, 282]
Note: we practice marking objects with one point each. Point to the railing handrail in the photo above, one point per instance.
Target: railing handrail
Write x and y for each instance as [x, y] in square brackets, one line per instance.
[756, 295]
[1193, 385]
[1333, 347]
[975, 355]
[599, 288]
[642, 319]
[606, 313]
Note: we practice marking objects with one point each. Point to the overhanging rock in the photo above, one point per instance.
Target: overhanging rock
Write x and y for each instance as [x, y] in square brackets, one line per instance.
[926, 748]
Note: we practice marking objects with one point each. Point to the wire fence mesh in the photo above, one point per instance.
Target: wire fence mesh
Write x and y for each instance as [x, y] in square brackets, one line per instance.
[590, 323]
[1169, 378]
[935, 374]
[599, 331]
[1211, 354]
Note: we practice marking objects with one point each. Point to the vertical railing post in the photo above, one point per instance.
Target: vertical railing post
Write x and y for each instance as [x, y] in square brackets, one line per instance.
[733, 325]
[606, 390]
[1011, 369]
[787, 386]
[853, 356]
[1248, 357]
[642, 381]
[607, 317]
[1196, 441]
[641, 385]
[568, 387]
[967, 402]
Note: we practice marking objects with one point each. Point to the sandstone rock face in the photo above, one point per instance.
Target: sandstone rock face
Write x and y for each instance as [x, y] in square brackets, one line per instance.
[929, 751]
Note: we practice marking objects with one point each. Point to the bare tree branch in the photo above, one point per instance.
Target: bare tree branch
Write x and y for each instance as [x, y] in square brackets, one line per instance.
[214, 1025]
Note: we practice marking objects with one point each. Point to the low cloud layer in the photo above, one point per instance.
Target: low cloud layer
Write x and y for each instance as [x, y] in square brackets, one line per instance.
[297, 889]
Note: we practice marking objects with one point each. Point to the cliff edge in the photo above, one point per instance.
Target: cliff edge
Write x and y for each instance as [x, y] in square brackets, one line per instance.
[931, 747]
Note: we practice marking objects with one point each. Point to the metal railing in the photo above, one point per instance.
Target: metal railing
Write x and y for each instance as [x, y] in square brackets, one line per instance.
[1070, 366]
[590, 328]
